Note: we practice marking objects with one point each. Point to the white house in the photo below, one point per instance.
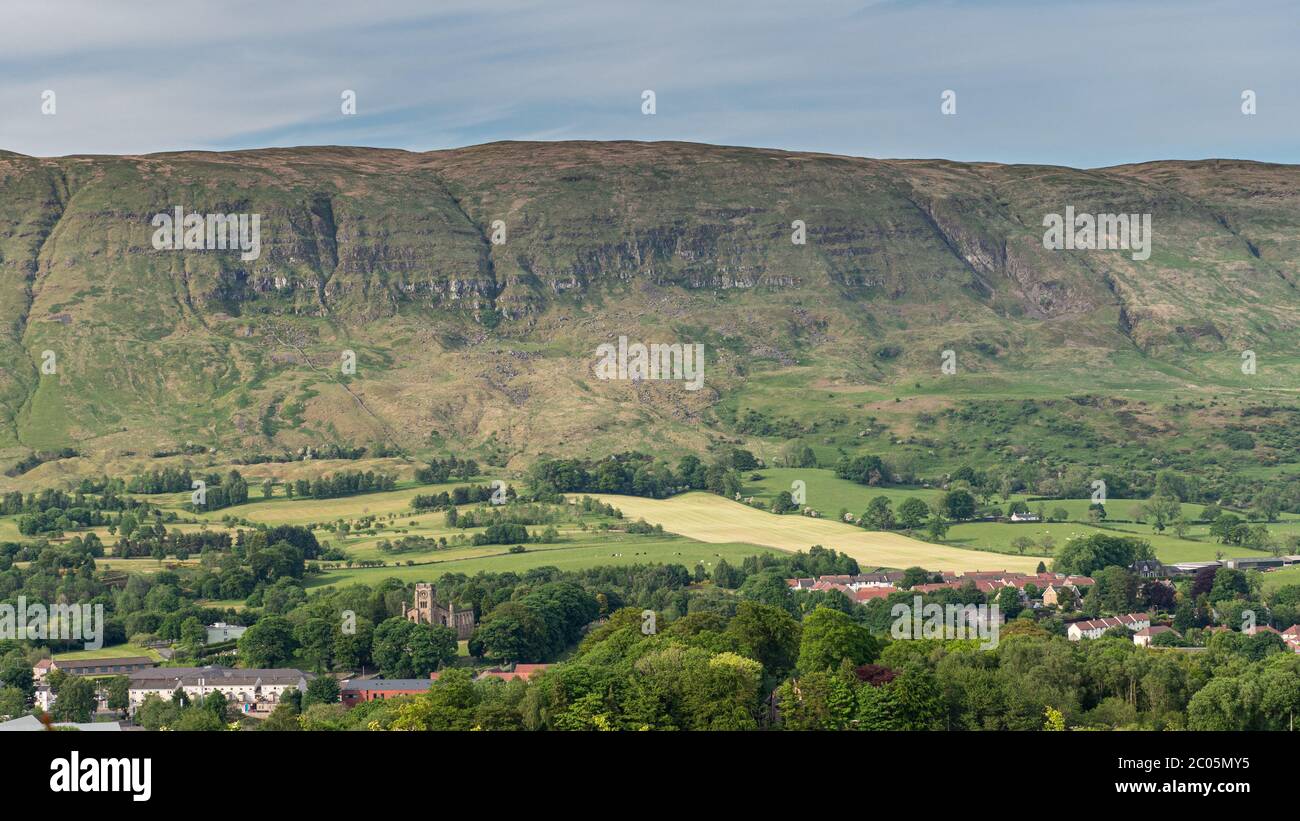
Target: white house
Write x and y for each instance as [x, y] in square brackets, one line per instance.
[252, 690]
[1094, 628]
[1143, 637]
[222, 632]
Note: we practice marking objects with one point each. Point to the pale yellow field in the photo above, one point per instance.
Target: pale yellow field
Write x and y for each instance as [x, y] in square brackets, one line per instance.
[711, 518]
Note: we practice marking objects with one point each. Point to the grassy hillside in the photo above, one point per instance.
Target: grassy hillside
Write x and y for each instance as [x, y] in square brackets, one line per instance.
[1062, 357]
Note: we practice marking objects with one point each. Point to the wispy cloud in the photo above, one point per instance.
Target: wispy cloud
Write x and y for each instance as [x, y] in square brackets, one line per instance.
[1087, 83]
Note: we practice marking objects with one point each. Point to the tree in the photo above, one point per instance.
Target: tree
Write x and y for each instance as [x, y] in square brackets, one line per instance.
[76, 700]
[1229, 528]
[879, 515]
[321, 690]
[315, 637]
[269, 643]
[193, 635]
[912, 512]
[783, 503]
[1268, 503]
[768, 587]
[1055, 720]
[217, 704]
[1086, 555]
[197, 719]
[829, 637]
[119, 693]
[403, 649]
[1229, 584]
[1162, 510]
[1021, 544]
[12, 703]
[958, 505]
[937, 527]
[1009, 602]
[769, 635]
[155, 713]
[283, 718]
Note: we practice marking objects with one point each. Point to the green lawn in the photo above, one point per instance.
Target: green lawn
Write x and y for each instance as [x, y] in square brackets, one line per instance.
[633, 550]
[1277, 578]
[116, 651]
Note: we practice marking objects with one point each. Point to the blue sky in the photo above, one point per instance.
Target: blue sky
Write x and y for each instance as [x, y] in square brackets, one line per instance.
[1082, 84]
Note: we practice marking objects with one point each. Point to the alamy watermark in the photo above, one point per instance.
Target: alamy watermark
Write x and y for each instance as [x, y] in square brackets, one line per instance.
[677, 361]
[66, 622]
[208, 232]
[1100, 232]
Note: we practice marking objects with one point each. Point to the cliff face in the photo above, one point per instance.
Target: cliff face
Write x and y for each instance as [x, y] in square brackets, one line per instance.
[391, 255]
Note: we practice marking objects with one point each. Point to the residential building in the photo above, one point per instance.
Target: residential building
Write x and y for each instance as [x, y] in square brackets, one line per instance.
[1094, 628]
[354, 691]
[221, 632]
[1143, 637]
[256, 690]
[1148, 568]
[118, 666]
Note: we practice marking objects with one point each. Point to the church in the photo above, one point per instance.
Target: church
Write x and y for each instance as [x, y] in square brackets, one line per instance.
[428, 611]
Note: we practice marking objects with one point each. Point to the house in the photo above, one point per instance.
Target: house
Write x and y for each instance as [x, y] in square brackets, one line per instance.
[98, 667]
[1148, 568]
[866, 594]
[1291, 636]
[1094, 628]
[1143, 637]
[353, 692]
[254, 690]
[1025, 517]
[1052, 593]
[221, 632]
[41, 669]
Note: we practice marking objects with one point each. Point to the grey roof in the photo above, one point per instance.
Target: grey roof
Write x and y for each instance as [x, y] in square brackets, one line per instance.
[32, 723]
[213, 676]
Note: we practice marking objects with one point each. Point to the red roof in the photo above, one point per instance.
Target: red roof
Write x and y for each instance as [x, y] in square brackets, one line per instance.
[869, 593]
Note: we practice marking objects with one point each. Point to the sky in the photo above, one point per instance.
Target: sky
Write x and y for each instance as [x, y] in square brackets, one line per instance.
[1083, 84]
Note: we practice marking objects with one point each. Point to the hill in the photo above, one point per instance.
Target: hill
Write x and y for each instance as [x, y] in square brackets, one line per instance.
[463, 344]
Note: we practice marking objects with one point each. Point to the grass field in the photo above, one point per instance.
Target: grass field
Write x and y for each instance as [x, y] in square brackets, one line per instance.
[711, 518]
[708, 527]
[634, 550]
[1278, 578]
[116, 651]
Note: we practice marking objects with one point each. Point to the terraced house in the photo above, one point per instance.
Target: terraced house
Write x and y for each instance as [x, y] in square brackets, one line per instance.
[252, 691]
